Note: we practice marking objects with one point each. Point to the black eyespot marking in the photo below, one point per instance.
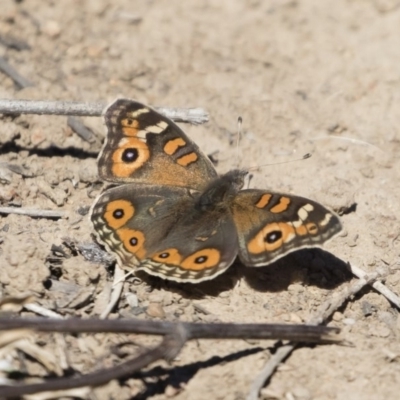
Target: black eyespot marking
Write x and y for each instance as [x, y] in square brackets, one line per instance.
[118, 213]
[201, 260]
[129, 121]
[133, 241]
[164, 255]
[130, 155]
[273, 237]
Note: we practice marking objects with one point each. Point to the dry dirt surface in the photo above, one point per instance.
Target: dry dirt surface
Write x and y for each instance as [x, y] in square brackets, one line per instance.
[307, 77]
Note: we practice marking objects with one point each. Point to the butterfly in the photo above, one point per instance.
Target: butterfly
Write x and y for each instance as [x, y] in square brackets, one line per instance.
[170, 214]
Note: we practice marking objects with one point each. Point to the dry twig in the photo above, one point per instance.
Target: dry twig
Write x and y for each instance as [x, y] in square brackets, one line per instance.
[33, 212]
[10, 71]
[11, 106]
[80, 129]
[119, 277]
[38, 309]
[378, 286]
[324, 312]
[175, 336]
[167, 349]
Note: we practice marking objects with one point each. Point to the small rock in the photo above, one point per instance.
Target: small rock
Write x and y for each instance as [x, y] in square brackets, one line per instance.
[337, 316]
[156, 297]
[51, 29]
[56, 195]
[301, 392]
[379, 331]
[296, 319]
[171, 391]
[367, 308]
[155, 310]
[349, 321]
[37, 136]
[351, 243]
[132, 299]
[168, 299]
[138, 310]
[295, 288]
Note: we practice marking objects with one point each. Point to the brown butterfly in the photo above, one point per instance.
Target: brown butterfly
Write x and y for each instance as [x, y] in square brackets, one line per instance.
[174, 217]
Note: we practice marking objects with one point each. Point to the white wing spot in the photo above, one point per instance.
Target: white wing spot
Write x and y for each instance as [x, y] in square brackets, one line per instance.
[160, 127]
[308, 207]
[302, 213]
[326, 220]
[135, 114]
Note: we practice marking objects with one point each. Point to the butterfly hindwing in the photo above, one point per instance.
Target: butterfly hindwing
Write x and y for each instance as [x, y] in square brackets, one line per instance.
[271, 225]
[157, 229]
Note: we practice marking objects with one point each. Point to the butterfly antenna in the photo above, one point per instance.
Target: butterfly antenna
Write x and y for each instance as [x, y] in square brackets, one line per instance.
[304, 157]
[348, 139]
[239, 133]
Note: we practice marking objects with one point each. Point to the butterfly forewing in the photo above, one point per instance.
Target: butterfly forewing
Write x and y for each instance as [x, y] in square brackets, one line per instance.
[144, 146]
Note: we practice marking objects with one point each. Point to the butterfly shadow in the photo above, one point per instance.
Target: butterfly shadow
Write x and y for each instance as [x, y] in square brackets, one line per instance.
[311, 267]
[157, 379]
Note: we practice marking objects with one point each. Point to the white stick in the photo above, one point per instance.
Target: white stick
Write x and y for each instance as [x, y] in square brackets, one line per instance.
[13, 106]
[324, 312]
[33, 212]
[40, 310]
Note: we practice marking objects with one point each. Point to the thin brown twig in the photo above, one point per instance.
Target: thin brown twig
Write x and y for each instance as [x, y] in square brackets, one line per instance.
[324, 312]
[33, 212]
[308, 333]
[167, 349]
[12, 106]
[175, 336]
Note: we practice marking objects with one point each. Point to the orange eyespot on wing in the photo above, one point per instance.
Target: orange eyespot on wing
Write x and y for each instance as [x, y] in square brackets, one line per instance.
[271, 237]
[131, 154]
[118, 212]
[168, 256]
[133, 241]
[275, 235]
[202, 259]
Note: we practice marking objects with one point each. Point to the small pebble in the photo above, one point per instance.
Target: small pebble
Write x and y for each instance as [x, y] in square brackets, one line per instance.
[367, 308]
[132, 299]
[51, 29]
[155, 310]
[156, 297]
[171, 391]
[296, 319]
[301, 392]
[337, 316]
[295, 288]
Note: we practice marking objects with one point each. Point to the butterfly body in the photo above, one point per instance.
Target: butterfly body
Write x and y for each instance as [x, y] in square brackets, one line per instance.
[175, 218]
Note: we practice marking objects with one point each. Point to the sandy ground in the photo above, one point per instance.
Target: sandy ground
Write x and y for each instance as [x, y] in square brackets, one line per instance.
[306, 76]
